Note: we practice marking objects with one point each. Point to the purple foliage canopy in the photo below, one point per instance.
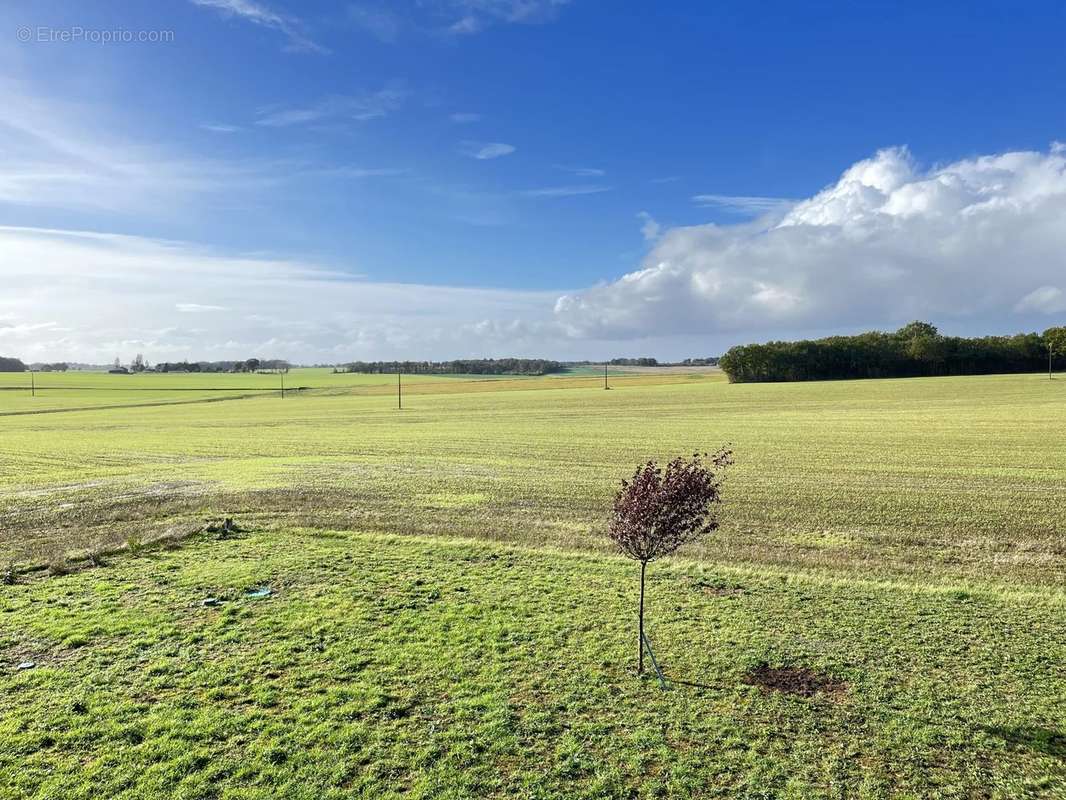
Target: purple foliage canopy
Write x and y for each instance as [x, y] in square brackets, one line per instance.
[657, 510]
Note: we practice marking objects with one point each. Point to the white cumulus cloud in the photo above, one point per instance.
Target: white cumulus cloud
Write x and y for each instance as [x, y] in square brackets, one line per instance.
[982, 239]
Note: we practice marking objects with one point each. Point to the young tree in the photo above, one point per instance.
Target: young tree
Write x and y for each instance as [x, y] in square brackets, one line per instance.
[659, 510]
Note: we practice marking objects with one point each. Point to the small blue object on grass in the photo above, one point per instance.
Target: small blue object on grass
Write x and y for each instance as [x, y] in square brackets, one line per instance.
[258, 591]
[211, 601]
[26, 665]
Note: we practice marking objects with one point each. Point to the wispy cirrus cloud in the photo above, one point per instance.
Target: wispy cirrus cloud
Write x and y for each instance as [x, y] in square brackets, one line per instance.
[12, 331]
[242, 306]
[390, 20]
[263, 16]
[358, 108]
[62, 155]
[383, 23]
[473, 16]
[582, 172]
[566, 191]
[484, 151]
[215, 127]
[356, 172]
[740, 204]
[197, 308]
[464, 117]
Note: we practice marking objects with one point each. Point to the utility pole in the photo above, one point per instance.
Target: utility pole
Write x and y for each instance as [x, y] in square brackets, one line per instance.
[33, 385]
[399, 390]
[605, 386]
[282, 385]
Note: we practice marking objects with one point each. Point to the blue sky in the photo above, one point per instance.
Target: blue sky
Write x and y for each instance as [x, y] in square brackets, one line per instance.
[574, 178]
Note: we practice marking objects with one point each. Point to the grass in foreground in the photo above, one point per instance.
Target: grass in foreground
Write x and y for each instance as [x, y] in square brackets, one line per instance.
[404, 666]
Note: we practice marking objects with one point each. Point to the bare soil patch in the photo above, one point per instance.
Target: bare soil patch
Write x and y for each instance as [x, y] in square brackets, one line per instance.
[794, 680]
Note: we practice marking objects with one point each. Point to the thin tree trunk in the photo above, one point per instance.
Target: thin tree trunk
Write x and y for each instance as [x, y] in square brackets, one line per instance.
[640, 618]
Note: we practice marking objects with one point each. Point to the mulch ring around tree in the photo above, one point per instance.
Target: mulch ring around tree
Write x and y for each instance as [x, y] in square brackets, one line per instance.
[793, 680]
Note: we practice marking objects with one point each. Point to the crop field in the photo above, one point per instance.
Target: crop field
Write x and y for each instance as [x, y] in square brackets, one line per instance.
[446, 620]
[19, 393]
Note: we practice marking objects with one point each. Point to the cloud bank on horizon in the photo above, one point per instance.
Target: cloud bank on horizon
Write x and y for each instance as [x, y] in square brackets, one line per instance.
[980, 239]
[85, 296]
[977, 241]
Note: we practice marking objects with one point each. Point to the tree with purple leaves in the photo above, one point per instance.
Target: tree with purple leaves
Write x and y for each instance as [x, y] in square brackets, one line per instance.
[659, 510]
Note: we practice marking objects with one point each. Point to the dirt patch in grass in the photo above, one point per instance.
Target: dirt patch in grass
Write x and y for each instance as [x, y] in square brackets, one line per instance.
[793, 680]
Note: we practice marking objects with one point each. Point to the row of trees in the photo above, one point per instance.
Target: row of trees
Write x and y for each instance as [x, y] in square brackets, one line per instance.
[248, 365]
[137, 365]
[474, 366]
[140, 365]
[8, 364]
[710, 361]
[917, 349]
[634, 362]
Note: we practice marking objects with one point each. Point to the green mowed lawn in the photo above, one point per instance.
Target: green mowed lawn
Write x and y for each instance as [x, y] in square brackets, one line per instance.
[411, 666]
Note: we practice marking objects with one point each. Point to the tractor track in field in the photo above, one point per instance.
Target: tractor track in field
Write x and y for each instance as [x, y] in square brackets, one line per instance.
[260, 393]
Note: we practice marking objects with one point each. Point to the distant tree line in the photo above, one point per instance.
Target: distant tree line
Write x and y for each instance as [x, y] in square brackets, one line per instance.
[917, 349]
[474, 366]
[248, 365]
[8, 364]
[140, 365]
[634, 362]
[58, 366]
[711, 361]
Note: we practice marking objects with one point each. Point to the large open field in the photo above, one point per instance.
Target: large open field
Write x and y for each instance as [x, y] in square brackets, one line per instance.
[447, 621]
